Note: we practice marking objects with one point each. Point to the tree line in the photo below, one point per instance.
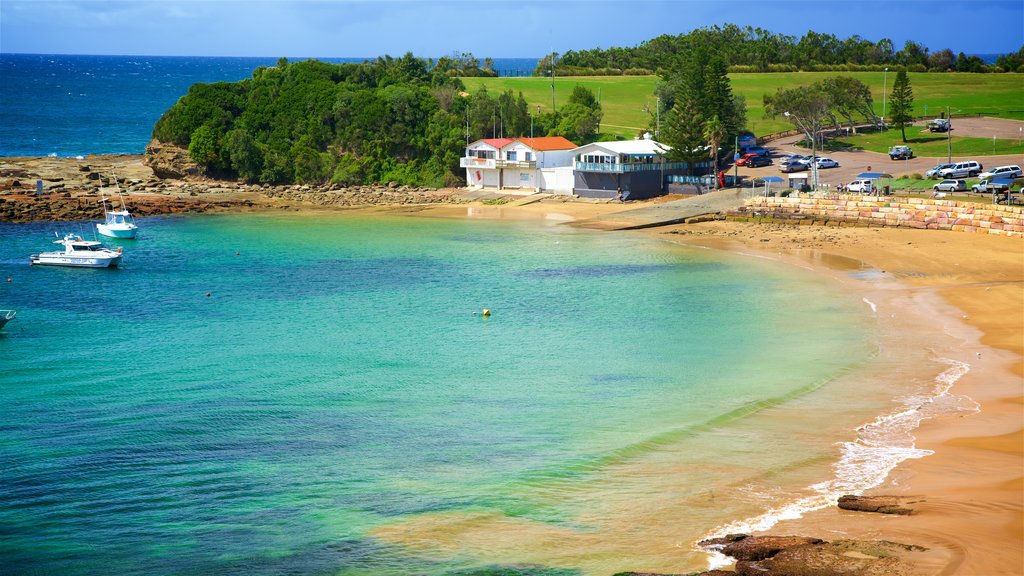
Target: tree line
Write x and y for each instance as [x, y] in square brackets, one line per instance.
[398, 120]
[750, 49]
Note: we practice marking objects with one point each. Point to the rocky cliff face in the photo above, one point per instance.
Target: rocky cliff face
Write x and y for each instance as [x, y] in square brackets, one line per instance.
[169, 161]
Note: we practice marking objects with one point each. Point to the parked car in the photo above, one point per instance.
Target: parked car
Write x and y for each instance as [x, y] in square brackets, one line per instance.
[794, 166]
[986, 186]
[967, 169]
[1002, 172]
[862, 186]
[827, 163]
[756, 150]
[939, 125]
[934, 172]
[950, 186]
[742, 160]
[757, 161]
[901, 152]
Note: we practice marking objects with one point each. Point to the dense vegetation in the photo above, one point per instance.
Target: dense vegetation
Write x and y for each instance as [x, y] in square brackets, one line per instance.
[757, 50]
[388, 120]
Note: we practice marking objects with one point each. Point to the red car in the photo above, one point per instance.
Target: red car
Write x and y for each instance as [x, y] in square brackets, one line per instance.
[743, 159]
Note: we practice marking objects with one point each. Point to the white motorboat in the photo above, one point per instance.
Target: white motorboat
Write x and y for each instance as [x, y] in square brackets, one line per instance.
[117, 223]
[6, 316]
[79, 253]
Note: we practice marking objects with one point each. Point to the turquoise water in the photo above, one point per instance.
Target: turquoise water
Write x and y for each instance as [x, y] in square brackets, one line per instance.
[267, 394]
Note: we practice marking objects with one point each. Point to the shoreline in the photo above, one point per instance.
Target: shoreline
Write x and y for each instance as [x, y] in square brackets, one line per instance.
[968, 289]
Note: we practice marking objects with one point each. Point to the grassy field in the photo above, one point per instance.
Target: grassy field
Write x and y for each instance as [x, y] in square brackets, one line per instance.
[625, 98]
[925, 143]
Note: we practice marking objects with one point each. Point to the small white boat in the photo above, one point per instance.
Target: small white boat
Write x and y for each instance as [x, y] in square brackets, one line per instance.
[117, 223]
[79, 253]
[6, 316]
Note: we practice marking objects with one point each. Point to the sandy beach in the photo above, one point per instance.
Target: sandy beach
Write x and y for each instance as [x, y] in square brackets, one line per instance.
[961, 292]
[970, 289]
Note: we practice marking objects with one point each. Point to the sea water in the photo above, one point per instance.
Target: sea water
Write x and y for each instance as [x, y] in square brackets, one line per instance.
[266, 394]
[71, 105]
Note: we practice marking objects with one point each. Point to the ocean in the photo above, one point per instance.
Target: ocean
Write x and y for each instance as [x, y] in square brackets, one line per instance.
[320, 393]
[77, 105]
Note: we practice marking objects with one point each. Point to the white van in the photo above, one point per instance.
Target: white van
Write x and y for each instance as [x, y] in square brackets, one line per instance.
[961, 170]
[1002, 172]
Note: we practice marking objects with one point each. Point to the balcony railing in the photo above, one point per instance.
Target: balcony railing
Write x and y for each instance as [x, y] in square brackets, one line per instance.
[474, 162]
[622, 168]
[516, 164]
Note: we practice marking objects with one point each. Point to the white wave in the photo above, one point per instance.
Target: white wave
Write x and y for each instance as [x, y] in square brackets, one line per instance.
[874, 308]
[865, 462]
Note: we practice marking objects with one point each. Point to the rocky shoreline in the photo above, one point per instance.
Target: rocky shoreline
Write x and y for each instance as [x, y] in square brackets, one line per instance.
[72, 189]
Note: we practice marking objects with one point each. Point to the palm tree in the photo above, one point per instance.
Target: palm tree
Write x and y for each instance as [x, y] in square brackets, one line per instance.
[714, 133]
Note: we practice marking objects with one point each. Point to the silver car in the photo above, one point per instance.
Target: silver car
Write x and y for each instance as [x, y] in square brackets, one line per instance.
[934, 172]
[950, 186]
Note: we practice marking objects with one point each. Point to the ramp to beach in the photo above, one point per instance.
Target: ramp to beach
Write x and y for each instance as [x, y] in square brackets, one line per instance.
[673, 212]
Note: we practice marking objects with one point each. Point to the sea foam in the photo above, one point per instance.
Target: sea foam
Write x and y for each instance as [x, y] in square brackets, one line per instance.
[865, 462]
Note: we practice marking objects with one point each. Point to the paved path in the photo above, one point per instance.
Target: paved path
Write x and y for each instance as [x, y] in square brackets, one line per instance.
[671, 212]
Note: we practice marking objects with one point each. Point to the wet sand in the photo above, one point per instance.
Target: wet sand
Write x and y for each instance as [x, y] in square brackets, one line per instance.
[970, 290]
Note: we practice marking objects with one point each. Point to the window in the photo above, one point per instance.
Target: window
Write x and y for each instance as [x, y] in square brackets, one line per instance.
[529, 156]
[510, 155]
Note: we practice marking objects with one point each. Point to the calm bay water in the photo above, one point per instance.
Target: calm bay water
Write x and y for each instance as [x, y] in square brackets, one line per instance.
[72, 105]
[337, 404]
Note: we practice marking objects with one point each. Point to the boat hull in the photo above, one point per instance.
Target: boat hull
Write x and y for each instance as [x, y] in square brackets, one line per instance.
[76, 262]
[117, 231]
[5, 317]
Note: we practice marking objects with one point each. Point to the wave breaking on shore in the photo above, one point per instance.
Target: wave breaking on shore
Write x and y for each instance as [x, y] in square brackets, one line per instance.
[865, 462]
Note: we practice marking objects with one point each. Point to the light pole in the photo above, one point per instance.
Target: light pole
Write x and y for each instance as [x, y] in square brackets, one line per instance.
[884, 87]
[949, 138]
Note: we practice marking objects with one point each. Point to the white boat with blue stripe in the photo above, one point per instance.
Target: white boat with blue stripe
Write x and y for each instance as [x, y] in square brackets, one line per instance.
[78, 253]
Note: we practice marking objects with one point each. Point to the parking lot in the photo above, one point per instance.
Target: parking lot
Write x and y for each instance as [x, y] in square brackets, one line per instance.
[855, 162]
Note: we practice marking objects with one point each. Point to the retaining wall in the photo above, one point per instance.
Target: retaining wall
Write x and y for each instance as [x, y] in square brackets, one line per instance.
[891, 211]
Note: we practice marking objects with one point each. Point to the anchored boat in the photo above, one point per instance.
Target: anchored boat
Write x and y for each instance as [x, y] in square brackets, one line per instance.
[117, 223]
[79, 253]
[6, 316]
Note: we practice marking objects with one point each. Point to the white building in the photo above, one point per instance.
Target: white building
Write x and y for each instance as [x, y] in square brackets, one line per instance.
[542, 164]
[636, 167]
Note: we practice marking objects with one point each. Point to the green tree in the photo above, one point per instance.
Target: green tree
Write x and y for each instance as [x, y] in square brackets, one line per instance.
[684, 132]
[902, 100]
[203, 147]
[245, 156]
[577, 122]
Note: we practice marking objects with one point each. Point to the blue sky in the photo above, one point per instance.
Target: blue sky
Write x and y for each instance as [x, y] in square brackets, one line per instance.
[499, 29]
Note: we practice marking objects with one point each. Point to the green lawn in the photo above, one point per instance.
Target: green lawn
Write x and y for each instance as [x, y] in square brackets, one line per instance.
[625, 97]
[925, 143]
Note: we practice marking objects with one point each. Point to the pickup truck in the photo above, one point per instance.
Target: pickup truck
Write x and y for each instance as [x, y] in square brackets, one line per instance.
[986, 186]
[900, 152]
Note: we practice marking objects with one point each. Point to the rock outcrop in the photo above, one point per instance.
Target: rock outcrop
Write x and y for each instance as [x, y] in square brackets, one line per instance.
[802, 556]
[880, 504]
[169, 161]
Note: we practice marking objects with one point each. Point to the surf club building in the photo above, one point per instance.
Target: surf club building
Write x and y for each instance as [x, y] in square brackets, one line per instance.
[542, 164]
[636, 167]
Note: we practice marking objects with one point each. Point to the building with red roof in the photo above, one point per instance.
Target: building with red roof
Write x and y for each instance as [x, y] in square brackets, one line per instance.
[534, 164]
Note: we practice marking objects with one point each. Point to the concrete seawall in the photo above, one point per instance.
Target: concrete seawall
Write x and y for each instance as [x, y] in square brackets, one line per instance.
[890, 211]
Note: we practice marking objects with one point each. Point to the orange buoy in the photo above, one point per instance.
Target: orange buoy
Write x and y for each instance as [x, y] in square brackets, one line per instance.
[486, 312]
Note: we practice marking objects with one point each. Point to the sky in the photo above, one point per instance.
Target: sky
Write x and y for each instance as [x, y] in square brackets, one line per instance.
[496, 29]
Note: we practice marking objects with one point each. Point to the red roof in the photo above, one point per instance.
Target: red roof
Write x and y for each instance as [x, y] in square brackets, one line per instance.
[548, 143]
[498, 143]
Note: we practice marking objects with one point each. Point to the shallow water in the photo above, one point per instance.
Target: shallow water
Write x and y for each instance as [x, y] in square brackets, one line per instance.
[320, 393]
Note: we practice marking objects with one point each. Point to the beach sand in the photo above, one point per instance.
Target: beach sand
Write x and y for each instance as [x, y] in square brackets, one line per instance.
[972, 486]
